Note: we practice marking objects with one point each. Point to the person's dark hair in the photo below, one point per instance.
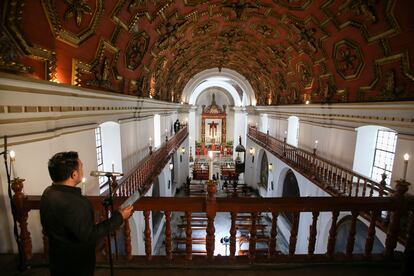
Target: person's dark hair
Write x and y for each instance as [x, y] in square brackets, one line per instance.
[62, 164]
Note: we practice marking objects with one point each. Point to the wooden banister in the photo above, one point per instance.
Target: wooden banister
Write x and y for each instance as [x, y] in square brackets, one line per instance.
[331, 177]
[397, 206]
[143, 174]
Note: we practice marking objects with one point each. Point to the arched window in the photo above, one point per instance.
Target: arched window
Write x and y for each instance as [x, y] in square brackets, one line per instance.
[343, 229]
[264, 171]
[290, 189]
[374, 152]
[293, 131]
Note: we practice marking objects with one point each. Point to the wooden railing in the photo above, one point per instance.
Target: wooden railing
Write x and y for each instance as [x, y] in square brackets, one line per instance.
[333, 178]
[145, 172]
[399, 206]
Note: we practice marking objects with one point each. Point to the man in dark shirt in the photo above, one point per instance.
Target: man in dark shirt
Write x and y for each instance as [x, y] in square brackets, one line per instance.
[68, 219]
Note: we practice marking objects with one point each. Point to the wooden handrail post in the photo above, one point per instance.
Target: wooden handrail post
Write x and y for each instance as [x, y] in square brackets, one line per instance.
[127, 241]
[211, 209]
[394, 228]
[19, 200]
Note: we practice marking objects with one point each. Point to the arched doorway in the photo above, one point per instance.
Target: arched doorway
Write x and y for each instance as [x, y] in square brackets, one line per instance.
[290, 189]
[264, 171]
[361, 235]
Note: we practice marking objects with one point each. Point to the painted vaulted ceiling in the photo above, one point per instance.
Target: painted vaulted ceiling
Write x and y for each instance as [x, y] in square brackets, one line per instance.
[289, 50]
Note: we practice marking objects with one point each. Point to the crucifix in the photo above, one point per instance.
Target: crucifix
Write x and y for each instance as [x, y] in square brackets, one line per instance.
[213, 129]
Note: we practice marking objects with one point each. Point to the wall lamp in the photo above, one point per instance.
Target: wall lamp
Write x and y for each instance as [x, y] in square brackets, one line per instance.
[182, 151]
[270, 167]
[251, 151]
[171, 166]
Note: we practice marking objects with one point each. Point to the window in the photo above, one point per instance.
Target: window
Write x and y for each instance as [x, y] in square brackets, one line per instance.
[157, 130]
[99, 156]
[384, 154]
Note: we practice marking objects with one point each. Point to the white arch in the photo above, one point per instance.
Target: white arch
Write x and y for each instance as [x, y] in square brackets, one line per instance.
[215, 83]
[216, 77]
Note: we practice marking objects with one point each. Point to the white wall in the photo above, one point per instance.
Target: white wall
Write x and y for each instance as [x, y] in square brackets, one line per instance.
[135, 141]
[31, 165]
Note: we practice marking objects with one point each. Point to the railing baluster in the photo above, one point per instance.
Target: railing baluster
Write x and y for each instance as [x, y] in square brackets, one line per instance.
[188, 238]
[357, 187]
[210, 239]
[273, 234]
[364, 189]
[168, 241]
[147, 233]
[312, 234]
[350, 185]
[371, 234]
[332, 234]
[293, 234]
[351, 235]
[233, 232]
[252, 241]
[127, 241]
[19, 199]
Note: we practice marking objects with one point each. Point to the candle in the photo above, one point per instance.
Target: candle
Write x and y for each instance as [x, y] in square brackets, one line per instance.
[406, 157]
[83, 185]
[12, 160]
[316, 144]
[150, 140]
[113, 166]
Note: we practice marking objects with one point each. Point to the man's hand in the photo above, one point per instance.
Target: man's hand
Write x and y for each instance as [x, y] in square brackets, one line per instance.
[127, 212]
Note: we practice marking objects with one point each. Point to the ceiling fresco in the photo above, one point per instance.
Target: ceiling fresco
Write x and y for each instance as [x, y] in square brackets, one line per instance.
[290, 51]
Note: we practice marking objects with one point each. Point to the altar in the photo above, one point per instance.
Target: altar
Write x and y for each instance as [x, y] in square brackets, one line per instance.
[213, 125]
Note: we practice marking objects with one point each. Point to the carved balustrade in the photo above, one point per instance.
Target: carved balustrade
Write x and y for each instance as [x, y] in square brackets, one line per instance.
[331, 177]
[145, 172]
[399, 206]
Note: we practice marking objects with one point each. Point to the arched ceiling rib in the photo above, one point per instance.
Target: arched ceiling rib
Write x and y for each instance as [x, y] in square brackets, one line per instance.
[288, 51]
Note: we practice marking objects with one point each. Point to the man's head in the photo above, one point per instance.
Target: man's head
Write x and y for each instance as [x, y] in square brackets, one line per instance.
[66, 168]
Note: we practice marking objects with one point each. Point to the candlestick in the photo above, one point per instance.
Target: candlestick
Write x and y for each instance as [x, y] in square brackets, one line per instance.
[12, 167]
[406, 157]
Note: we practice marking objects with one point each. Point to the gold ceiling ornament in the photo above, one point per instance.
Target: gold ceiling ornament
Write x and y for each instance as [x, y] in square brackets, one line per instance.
[21, 46]
[78, 8]
[9, 55]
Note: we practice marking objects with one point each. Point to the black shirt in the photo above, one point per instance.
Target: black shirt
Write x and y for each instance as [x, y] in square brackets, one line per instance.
[68, 220]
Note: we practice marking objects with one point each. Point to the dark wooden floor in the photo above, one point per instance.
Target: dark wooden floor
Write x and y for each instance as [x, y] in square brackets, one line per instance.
[8, 265]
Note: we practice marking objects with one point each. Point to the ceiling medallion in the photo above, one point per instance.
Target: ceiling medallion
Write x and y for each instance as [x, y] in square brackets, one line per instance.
[135, 50]
[78, 8]
[348, 59]
[305, 74]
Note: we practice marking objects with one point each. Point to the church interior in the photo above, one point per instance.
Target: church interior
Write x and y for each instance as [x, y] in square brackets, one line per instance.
[250, 136]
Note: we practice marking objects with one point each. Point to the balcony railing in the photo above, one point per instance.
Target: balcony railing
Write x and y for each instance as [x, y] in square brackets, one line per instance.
[399, 206]
[144, 173]
[333, 178]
